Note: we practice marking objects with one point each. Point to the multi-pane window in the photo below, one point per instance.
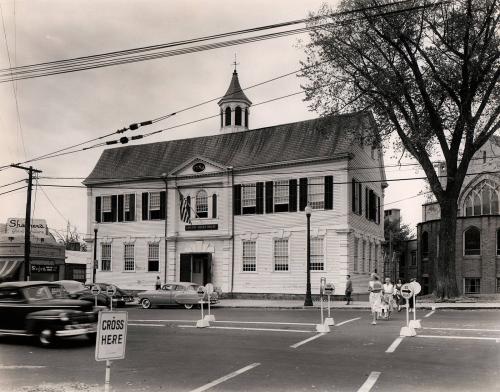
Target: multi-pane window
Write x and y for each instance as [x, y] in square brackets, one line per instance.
[472, 241]
[249, 256]
[129, 258]
[248, 198]
[154, 201]
[483, 199]
[105, 257]
[317, 254]
[356, 197]
[281, 255]
[356, 251]
[154, 257]
[472, 286]
[363, 256]
[281, 196]
[202, 204]
[107, 214]
[316, 192]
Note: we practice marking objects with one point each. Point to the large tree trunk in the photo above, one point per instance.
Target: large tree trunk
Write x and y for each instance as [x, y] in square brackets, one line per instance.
[445, 279]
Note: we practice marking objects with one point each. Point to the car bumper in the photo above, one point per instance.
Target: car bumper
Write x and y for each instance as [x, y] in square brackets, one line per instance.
[77, 329]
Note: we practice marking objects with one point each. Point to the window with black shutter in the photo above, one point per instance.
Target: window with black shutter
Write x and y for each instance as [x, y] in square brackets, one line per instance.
[302, 194]
[98, 209]
[237, 199]
[281, 195]
[248, 199]
[120, 208]
[269, 197]
[328, 192]
[163, 203]
[107, 209]
[360, 199]
[354, 200]
[259, 201]
[367, 203]
[145, 200]
[114, 208]
[292, 202]
[129, 207]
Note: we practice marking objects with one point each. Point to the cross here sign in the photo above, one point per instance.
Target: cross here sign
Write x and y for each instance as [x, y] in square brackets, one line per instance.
[111, 335]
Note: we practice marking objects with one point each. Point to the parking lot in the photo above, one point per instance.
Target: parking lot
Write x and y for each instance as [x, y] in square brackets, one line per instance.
[273, 350]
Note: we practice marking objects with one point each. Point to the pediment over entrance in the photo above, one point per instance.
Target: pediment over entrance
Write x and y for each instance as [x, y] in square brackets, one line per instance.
[198, 166]
[200, 247]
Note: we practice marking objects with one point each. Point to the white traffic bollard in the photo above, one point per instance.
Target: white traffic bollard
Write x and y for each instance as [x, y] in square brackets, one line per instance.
[406, 293]
[209, 289]
[329, 290]
[416, 289]
[323, 328]
[203, 323]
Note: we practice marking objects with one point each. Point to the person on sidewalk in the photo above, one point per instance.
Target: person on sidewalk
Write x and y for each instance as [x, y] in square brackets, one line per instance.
[397, 294]
[375, 288]
[348, 290]
[158, 283]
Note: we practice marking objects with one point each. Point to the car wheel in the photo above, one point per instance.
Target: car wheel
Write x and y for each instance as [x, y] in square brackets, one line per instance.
[47, 337]
[146, 303]
[188, 306]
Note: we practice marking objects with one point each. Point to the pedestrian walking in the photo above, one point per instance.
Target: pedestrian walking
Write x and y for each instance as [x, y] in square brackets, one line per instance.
[397, 294]
[158, 283]
[348, 289]
[375, 288]
[387, 299]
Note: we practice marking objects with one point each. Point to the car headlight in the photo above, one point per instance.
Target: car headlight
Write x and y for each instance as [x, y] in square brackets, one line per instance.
[63, 316]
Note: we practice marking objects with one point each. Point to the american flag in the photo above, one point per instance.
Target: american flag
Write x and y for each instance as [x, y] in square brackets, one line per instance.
[185, 209]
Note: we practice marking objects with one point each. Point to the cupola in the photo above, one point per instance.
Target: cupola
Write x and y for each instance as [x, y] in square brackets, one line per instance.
[234, 108]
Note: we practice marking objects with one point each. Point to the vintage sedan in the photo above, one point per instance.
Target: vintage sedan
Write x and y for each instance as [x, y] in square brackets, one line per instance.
[178, 293]
[80, 291]
[40, 309]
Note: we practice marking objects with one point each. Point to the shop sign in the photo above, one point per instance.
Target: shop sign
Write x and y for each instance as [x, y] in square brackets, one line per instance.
[202, 227]
[16, 226]
[44, 268]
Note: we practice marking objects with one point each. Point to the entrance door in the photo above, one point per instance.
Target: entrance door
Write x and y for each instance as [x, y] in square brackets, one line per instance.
[196, 268]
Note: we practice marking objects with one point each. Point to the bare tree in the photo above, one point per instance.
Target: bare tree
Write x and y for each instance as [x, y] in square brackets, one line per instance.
[429, 73]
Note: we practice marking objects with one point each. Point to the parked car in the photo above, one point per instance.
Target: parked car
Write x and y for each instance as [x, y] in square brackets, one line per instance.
[178, 293]
[82, 291]
[41, 309]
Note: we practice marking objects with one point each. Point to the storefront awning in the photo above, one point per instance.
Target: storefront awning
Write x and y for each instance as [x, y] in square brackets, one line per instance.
[9, 267]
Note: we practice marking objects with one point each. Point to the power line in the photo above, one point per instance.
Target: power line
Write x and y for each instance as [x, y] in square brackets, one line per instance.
[12, 190]
[53, 205]
[116, 58]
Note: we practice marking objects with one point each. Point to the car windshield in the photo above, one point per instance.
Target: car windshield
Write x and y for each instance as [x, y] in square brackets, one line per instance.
[72, 287]
[58, 291]
[37, 293]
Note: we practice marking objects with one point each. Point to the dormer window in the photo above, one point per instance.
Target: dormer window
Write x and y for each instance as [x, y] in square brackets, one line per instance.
[237, 116]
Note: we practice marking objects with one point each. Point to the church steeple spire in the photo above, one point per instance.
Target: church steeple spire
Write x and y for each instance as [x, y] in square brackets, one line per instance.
[234, 107]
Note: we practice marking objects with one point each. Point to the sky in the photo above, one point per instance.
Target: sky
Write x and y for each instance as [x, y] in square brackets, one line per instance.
[42, 115]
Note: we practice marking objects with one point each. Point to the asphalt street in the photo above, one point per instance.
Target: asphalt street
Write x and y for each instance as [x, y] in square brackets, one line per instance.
[272, 350]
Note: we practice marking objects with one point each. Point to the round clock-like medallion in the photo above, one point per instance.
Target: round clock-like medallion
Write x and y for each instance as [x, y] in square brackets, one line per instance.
[198, 167]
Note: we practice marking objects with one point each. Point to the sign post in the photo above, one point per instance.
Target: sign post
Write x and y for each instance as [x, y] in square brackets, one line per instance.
[111, 339]
[203, 323]
[407, 293]
[416, 290]
[95, 290]
[111, 291]
[322, 327]
[209, 287]
[329, 290]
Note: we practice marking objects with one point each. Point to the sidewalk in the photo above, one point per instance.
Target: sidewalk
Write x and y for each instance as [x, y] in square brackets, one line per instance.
[290, 304]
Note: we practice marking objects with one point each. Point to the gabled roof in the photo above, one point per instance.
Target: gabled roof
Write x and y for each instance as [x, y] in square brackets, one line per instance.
[234, 92]
[295, 142]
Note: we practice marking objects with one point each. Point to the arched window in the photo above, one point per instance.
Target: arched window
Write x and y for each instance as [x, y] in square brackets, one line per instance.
[214, 206]
[228, 116]
[425, 244]
[202, 204]
[472, 241]
[483, 199]
[237, 116]
[221, 118]
[246, 118]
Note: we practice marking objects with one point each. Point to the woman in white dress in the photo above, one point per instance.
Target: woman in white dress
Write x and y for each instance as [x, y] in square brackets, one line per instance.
[375, 289]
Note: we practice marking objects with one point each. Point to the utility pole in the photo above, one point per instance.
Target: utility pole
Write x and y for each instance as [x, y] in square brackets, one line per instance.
[27, 223]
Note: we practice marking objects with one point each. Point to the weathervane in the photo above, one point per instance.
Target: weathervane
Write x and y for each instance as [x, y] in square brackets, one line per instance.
[235, 63]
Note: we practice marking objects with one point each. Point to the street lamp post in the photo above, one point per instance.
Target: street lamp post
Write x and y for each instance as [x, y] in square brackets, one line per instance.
[94, 267]
[308, 300]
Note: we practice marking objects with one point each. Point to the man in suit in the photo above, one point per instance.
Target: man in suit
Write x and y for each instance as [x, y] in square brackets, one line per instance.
[348, 289]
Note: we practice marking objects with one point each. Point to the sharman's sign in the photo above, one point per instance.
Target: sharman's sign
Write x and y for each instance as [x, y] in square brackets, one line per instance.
[16, 225]
[111, 335]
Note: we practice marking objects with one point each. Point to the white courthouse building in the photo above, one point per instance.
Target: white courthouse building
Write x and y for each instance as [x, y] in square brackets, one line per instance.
[243, 227]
